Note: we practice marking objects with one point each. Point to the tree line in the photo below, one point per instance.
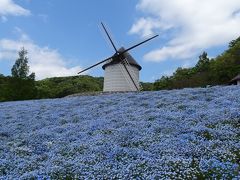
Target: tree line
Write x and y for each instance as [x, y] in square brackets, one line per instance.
[215, 71]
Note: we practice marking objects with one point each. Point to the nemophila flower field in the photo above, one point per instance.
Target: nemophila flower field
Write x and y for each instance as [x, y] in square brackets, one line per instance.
[190, 133]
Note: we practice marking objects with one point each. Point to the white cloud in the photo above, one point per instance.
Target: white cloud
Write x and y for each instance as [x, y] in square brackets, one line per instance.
[8, 7]
[198, 24]
[45, 62]
[145, 26]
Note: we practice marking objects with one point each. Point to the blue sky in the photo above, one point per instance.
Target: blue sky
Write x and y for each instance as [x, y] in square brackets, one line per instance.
[63, 37]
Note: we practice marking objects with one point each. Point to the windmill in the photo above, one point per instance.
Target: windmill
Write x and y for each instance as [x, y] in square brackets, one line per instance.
[121, 70]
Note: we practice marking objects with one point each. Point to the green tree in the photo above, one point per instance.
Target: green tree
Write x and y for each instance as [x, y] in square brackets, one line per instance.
[21, 69]
[234, 42]
[164, 83]
[2, 87]
[21, 86]
[203, 62]
[147, 86]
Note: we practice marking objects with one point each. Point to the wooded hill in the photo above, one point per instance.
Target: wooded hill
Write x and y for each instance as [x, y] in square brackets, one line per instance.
[62, 86]
[12, 88]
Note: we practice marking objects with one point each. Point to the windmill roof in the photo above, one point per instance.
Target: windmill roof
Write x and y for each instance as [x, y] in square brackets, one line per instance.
[126, 55]
[236, 78]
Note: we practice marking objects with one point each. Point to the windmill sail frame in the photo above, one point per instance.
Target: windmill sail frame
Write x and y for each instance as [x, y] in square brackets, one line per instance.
[120, 57]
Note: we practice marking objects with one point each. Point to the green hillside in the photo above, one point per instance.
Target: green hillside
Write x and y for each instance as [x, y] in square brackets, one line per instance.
[62, 86]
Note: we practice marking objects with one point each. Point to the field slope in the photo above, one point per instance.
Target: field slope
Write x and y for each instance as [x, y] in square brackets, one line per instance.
[184, 134]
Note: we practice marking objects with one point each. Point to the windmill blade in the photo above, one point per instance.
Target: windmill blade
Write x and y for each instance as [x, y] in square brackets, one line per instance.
[129, 74]
[128, 49]
[109, 37]
[96, 64]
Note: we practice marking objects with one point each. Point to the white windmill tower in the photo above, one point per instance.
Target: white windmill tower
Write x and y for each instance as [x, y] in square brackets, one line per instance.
[121, 70]
[122, 75]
